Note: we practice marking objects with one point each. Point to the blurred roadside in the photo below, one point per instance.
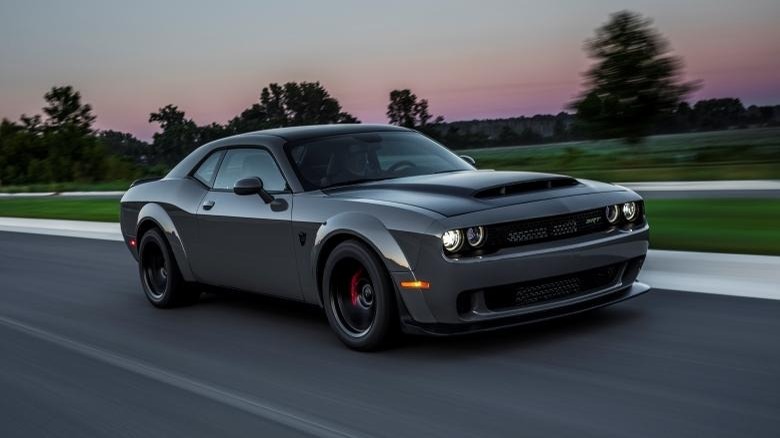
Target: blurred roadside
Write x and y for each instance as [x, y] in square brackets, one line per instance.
[709, 216]
[738, 154]
[648, 189]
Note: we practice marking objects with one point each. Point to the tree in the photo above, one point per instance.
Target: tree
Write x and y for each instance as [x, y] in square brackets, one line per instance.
[125, 145]
[253, 118]
[179, 135]
[291, 104]
[64, 110]
[72, 150]
[58, 147]
[405, 110]
[719, 113]
[633, 81]
[560, 127]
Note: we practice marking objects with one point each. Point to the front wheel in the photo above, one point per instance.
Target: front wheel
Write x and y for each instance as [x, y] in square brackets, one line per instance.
[358, 297]
[160, 276]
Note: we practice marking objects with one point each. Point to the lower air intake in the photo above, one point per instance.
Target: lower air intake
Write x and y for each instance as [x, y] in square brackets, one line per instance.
[553, 288]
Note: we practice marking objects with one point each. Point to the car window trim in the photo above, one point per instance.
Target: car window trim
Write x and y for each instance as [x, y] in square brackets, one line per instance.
[224, 151]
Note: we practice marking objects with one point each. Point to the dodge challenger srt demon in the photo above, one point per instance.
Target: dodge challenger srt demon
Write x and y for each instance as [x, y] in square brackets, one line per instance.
[385, 229]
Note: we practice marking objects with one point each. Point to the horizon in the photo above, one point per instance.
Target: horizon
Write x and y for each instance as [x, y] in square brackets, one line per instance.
[517, 59]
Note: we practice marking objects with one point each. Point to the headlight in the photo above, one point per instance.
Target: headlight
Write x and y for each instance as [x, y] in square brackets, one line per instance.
[612, 214]
[629, 211]
[475, 236]
[452, 240]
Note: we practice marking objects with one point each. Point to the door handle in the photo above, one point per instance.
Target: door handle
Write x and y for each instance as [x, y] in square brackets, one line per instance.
[207, 205]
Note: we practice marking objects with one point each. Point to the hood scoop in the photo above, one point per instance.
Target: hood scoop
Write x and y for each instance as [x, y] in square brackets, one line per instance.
[518, 188]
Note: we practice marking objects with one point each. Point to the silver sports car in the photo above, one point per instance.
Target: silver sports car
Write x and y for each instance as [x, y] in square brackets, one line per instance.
[385, 229]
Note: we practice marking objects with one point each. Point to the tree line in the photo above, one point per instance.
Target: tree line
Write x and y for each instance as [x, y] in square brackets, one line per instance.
[634, 88]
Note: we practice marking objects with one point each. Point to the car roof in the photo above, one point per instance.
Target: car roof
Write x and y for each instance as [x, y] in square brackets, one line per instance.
[274, 140]
[298, 133]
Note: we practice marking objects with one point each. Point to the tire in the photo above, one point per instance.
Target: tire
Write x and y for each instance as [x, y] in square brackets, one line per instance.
[161, 279]
[359, 298]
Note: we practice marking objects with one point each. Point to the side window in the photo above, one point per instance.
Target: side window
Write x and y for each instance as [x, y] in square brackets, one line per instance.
[245, 163]
[207, 168]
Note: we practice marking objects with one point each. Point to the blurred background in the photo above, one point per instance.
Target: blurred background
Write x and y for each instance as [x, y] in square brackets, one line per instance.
[94, 94]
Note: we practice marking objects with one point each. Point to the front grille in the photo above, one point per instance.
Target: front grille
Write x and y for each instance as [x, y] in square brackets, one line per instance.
[546, 229]
[553, 288]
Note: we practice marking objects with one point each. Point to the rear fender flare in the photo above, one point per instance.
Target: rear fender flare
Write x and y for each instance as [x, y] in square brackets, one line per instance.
[157, 214]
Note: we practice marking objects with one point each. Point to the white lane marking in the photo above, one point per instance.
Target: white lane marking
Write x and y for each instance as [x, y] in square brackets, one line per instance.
[52, 227]
[723, 274]
[738, 275]
[107, 194]
[684, 186]
[265, 410]
[27, 195]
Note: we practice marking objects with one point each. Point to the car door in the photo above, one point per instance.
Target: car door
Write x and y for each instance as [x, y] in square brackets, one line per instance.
[245, 243]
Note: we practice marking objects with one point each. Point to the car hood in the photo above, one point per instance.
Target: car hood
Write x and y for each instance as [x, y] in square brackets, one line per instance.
[452, 194]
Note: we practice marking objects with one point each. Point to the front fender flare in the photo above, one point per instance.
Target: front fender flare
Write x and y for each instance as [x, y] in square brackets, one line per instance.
[367, 228]
[364, 227]
[372, 231]
[157, 214]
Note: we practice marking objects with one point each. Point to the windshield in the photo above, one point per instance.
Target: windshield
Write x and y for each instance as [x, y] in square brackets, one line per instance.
[354, 158]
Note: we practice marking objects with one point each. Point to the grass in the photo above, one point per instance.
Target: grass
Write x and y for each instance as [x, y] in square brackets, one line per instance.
[748, 226]
[736, 154]
[101, 210]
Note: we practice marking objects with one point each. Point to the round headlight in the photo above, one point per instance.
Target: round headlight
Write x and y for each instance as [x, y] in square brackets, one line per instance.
[452, 240]
[475, 236]
[629, 211]
[612, 214]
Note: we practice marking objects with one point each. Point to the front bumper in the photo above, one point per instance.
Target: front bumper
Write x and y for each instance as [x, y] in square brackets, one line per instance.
[612, 297]
[440, 309]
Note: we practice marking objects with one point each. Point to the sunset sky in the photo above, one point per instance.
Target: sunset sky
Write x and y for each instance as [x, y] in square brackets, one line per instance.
[470, 59]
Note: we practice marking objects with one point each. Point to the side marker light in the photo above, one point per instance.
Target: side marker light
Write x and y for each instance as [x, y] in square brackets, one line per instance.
[415, 284]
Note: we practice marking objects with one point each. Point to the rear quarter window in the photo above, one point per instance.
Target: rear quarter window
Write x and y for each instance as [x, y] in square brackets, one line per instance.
[205, 172]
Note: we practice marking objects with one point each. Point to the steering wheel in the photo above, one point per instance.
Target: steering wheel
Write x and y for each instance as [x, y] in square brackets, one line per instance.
[400, 165]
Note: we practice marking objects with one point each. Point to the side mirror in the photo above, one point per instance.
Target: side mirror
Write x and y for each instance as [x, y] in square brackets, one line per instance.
[252, 186]
[468, 159]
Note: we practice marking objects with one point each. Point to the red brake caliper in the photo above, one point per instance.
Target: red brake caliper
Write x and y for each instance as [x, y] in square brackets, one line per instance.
[353, 286]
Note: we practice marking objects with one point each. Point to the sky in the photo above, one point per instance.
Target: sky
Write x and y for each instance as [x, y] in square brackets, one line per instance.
[470, 59]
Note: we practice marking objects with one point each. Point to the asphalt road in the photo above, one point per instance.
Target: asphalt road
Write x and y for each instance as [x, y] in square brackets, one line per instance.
[83, 354]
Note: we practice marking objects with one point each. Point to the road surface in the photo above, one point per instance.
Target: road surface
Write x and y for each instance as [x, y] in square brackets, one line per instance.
[83, 354]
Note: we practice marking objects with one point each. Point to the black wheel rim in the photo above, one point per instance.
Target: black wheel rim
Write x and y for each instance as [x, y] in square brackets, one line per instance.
[353, 298]
[155, 270]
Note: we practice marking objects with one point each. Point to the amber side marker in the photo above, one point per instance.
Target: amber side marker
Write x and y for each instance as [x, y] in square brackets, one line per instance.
[415, 284]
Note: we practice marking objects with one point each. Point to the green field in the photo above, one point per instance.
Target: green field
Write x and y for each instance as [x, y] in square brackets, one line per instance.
[748, 226]
[101, 210]
[737, 154]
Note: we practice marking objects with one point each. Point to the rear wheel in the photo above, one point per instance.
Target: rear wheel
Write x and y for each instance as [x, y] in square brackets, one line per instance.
[160, 276]
[359, 298]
